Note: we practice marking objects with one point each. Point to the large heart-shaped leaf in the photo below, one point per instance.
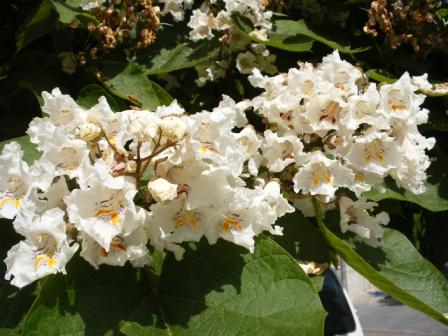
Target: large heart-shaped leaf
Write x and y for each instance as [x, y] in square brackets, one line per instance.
[219, 289]
[395, 267]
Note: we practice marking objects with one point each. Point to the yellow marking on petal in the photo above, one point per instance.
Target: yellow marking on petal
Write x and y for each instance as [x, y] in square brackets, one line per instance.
[39, 260]
[359, 177]
[380, 157]
[102, 212]
[42, 259]
[112, 139]
[394, 107]
[52, 262]
[374, 151]
[5, 200]
[103, 252]
[118, 246]
[315, 181]
[321, 175]
[114, 217]
[188, 217]
[231, 223]
[206, 147]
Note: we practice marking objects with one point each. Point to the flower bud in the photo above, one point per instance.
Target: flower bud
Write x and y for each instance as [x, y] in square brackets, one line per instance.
[162, 190]
[88, 132]
[173, 128]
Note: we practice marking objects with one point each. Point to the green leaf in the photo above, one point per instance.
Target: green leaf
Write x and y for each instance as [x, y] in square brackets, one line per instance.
[395, 267]
[285, 34]
[30, 152]
[435, 198]
[219, 288]
[89, 95]
[292, 35]
[380, 76]
[302, 239]
[39, 23]
[68, 10]
[133, 85]
[183, 56]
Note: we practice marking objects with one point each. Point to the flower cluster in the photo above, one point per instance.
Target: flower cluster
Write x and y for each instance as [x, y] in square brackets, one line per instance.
[211, 20]
[112, 184]
[334, 133]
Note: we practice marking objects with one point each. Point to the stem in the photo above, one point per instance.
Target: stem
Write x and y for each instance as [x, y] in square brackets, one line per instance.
[138, 173]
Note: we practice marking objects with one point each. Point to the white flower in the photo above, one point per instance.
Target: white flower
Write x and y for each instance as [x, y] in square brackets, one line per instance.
[252, 9]
[122, 249]
[173, 128]
[326, 111]
[104, 212]
[45, 250]
[162, 190]
[398, 100]
[279, 206]
[176, 8]
[251, 142]
[342, 74]
[61, 109]
[355, 217]
[250, 212]
[65, 156]
[143, 125]
[322, 176]
[281, 151]
[174, 109]
[421, 82]
[15, 182]
[363, 109]
[374, 152]
[202, 23]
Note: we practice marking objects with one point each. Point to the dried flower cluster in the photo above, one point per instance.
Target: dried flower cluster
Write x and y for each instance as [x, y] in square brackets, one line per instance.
[407, 21]
[117, 21]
